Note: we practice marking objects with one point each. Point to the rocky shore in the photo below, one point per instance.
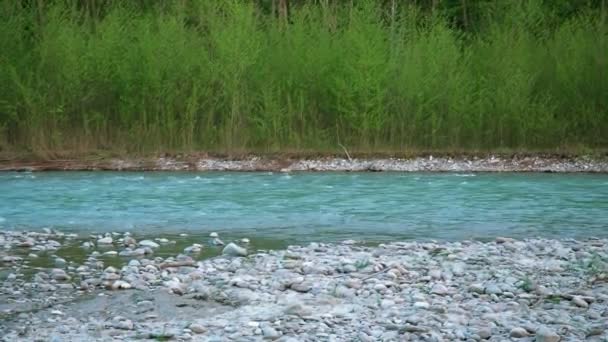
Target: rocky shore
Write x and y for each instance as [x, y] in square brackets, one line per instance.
[503, 290]
[257, 163]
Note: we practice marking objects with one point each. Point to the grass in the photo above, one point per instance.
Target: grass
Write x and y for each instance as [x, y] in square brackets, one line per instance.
[225, 76]
[361, 264]
[527, 285]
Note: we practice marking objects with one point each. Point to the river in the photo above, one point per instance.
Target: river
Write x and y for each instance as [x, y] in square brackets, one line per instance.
[301, 207]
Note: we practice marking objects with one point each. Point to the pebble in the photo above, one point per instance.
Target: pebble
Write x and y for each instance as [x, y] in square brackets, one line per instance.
[121, 285]
[439, 289]
[60, 262]
[580, 302]
[544, 334]
[477, 288]
[492, 289]
[105, 241]
[302, 287]
[519, 332]
[59, 274]
[126, 324]
[422, 305]
[484, 333]
[148, 243]
[197, 328]
[270, 333]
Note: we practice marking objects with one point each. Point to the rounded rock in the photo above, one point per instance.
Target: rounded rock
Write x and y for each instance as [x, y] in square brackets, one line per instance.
[233, 249]
[519, 332]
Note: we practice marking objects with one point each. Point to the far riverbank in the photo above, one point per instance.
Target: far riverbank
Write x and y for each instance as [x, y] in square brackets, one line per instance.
[286, 163]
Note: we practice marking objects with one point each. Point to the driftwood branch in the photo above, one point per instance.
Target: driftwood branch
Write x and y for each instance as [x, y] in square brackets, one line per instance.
[346, 151]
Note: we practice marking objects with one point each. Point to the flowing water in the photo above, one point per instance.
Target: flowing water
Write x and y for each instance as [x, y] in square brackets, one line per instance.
[304, 207]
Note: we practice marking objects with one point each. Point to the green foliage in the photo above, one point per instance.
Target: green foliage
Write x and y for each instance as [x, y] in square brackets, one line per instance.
[527, 285]
[555, 299]
[361, 264]
[231, 76]
[597, 265]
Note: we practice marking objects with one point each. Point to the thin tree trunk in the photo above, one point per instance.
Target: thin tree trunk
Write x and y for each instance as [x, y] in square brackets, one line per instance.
[465, 16]
[434, 6]
[604, 63]
[284, 11]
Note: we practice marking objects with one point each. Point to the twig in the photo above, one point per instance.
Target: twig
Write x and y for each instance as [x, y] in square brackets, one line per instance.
[377, 273]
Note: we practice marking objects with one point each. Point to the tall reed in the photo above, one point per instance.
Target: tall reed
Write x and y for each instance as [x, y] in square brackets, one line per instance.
[229, 76]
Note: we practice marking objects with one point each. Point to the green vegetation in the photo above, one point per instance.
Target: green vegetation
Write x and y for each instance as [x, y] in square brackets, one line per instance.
[361, 264]
[527, 284]
[137, 76]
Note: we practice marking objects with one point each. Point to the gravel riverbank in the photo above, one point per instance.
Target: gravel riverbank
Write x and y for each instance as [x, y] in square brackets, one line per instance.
[255, 163]
[532, 290]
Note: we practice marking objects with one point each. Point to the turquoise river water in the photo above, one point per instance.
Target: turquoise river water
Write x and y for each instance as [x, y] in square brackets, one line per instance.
[310, 206]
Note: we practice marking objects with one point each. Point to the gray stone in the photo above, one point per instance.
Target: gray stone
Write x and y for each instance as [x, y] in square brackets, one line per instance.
[121, 285]
[580, 302]
[233, 249]
[422, 305]
[519, 332]
[217, 242]
[59, 274]
[544, 334]
[439, 290]
[484, 333]
[477, 288]
[493, 289]
[148, 243]
[349, 268]
[197, 328]
[105, 241]
[303, 287]
[134, 263]
[125, 324]
[298, 309]
[270, 333]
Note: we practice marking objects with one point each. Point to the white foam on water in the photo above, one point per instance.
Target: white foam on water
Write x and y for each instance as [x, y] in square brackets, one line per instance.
[329, 186]
[129, 178]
